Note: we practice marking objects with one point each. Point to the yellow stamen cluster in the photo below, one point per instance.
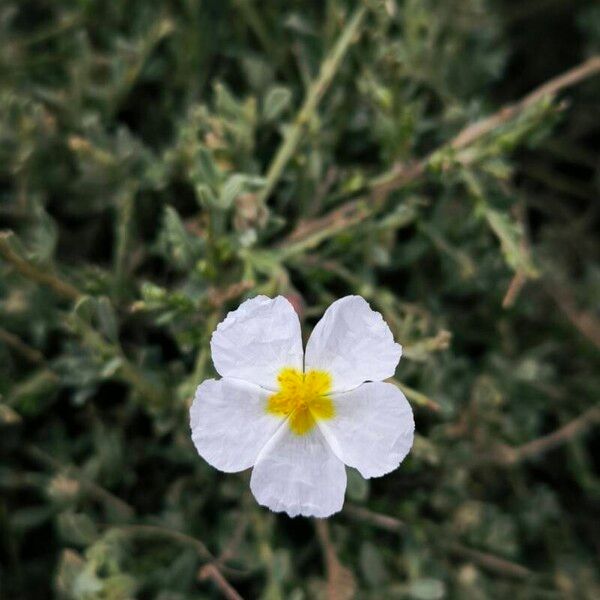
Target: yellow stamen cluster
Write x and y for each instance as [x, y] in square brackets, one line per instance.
[303, 398]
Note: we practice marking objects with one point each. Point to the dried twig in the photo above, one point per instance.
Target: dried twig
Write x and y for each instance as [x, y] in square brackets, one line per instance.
[584, 321]
[379, 520]
[310, 232]
[210, 571]
[510, 456]
[340, 580]
[488, 561]
[514, 289]
[520, 277]
[570, 78]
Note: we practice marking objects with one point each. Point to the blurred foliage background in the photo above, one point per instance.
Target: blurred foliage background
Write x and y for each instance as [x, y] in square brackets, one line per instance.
[162, 160]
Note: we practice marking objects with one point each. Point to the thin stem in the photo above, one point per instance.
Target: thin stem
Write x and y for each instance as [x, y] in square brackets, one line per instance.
[204, 351]
[378, 520]
[314, 95]
[340, 581]
[573, 76]
[25, 268]
[158, 531]
[486, 560]
[584, 321]
[520, 277]
[489, 561]
[123, 233]
[31, 354]
[262, 32]
[42, 457]
[310, 232]
[210, 571]
[417, 397]
[507, 455]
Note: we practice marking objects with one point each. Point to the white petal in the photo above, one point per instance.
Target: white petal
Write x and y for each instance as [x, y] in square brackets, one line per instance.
[373, 428]
[230, 425]
[257, 340]
[299, 475]
[353, 343]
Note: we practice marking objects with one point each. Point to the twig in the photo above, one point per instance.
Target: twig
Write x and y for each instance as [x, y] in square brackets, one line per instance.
[570, 78]
[486, 560]
[321, 191]
[314, 95]
[514, 288]
[584, 321]
[379, 520]
[219, 296]
[31, 354]
[510, 456]
[210, 571]
[520, 277]
[311, 232]
[96, 490]
[401, 174]
[340, 580]
[157, 530]
[62, 288]
[204, 553]
[236, 538]
[489, 561]
[203, 355]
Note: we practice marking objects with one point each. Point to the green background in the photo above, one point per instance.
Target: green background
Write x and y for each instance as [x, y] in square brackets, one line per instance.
[160, 161]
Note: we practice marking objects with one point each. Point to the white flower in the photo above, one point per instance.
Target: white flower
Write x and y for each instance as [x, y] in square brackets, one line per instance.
[299, 418]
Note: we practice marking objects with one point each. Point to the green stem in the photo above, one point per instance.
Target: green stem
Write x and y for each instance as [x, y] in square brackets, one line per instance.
[314, 95]
[62, 288]
[123, 232]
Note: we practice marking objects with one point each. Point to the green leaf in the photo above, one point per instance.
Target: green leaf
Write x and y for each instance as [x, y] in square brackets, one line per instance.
[277, 100]
[76, 528]
[205, 169]
[107, 319]
[510, 235]
[427, 589]
[232, 188]
[178, 244]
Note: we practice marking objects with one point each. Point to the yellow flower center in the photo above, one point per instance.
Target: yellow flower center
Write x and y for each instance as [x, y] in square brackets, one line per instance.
[303, 398]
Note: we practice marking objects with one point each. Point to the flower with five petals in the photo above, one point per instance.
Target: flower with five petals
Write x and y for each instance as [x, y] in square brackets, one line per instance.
[298, 418]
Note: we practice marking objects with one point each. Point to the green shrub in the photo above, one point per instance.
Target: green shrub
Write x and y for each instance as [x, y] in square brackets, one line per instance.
[160, 161]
